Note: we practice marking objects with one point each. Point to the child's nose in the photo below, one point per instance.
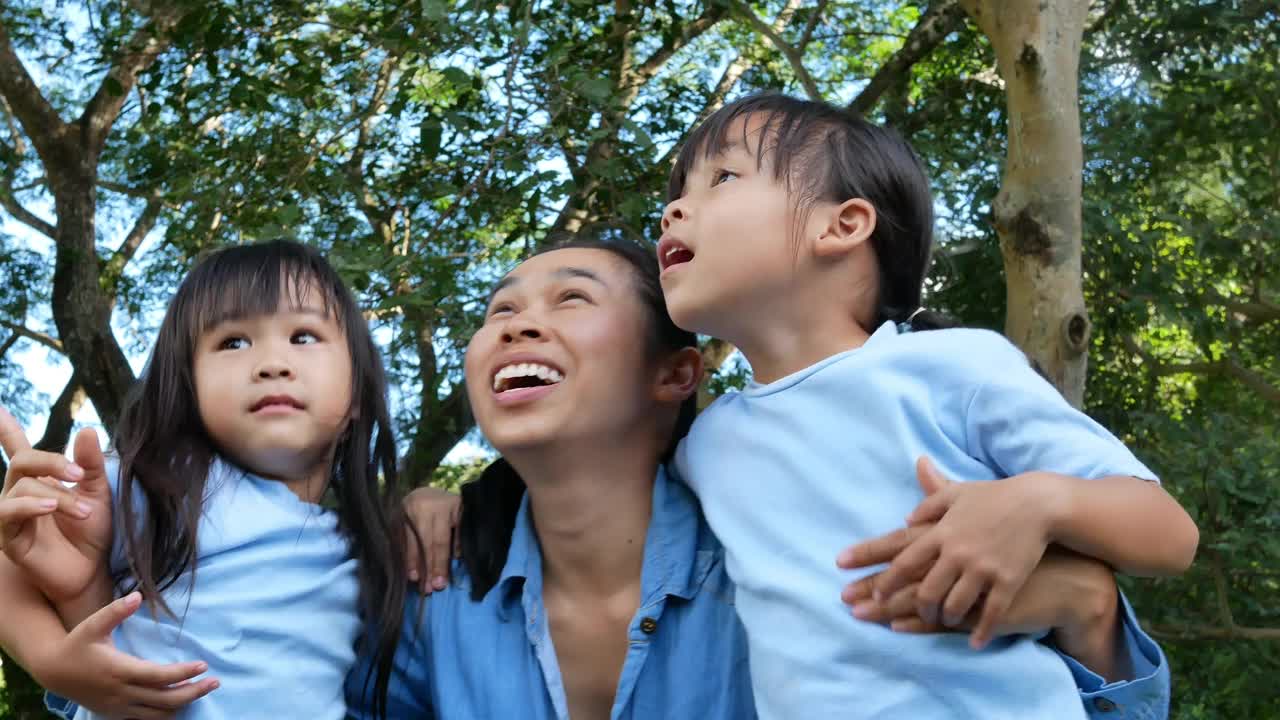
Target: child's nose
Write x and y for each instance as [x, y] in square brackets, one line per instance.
[271, 370]
[674, 211]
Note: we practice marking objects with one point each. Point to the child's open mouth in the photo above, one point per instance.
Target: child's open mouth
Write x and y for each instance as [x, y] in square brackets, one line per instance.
[672, 252]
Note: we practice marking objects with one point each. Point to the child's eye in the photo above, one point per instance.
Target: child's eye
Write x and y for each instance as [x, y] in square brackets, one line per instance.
[500, 309]
[721, 176]
[235, 342]
[304, 337]
[569, 295]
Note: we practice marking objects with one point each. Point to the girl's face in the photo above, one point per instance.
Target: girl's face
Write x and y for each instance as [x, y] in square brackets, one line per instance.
[562, 354]
[274, 390]
[727, 247]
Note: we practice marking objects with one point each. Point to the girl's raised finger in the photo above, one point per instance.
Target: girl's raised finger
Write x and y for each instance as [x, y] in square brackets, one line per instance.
[21, 509]
[67, 501]
[38, 463]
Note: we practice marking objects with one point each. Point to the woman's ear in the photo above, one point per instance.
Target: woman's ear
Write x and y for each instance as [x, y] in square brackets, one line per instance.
[679, 375]
[845, 227]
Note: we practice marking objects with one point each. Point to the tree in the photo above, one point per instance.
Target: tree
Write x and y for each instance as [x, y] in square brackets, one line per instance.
[427, 145]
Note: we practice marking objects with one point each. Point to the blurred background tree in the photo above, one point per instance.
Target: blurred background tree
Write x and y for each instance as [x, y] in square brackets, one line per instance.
[428, 144]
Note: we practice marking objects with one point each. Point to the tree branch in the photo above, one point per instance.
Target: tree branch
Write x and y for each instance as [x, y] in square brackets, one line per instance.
[793, 55]
[1227, 366]
[735, 71]
[938, 21]
[38, 118]
[713, 14]
[137, 54]
[8, 344]
[62, 417]
[368, 202]
[23, 215]
[141, 228]
[44, 339]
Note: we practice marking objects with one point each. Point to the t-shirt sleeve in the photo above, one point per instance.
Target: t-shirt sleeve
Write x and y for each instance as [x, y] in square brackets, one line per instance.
[1017, 422]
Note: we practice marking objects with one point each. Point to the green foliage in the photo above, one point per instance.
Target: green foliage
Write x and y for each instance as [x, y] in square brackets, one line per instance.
[428, 145]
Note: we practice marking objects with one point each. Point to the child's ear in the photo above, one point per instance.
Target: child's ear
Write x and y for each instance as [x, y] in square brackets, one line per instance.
[844, 227]
[679, 375]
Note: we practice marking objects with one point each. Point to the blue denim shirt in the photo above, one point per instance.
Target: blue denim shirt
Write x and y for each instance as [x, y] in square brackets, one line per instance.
[493, 658]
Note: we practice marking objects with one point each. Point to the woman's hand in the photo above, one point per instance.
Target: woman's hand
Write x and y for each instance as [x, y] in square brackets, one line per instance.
[59, 537]
[983, 541]
[87, 668]
[434, 515]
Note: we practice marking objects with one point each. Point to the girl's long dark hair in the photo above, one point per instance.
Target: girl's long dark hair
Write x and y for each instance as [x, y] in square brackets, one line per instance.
[166, 453]
[491, 501]
[823, 152]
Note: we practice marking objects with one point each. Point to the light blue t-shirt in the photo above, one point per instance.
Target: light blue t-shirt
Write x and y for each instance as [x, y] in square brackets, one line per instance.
[792, 472]
[273, 610]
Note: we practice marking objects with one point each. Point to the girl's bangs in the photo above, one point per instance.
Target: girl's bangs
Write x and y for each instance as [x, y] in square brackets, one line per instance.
[231, 286]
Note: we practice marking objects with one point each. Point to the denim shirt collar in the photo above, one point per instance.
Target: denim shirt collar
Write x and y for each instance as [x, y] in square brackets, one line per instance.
[679, 551]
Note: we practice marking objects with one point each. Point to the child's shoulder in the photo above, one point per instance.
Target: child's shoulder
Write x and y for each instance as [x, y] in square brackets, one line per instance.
[968, 350]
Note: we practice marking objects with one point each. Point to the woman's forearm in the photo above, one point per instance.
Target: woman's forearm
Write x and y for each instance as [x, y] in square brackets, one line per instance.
[29, 626]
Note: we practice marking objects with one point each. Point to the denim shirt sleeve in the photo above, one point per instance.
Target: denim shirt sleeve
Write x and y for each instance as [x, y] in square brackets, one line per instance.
[408, 693]
[59, 706]
[1145, 697]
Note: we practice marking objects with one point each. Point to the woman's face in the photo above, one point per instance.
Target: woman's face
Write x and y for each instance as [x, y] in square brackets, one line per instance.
[562, 354]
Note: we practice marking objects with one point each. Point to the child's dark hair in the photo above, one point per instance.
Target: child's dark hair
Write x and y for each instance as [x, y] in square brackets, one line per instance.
[821, 152]
[490, 503]
[166, 453]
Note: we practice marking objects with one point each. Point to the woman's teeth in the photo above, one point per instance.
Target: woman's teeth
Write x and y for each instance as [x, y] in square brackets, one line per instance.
[546, 375]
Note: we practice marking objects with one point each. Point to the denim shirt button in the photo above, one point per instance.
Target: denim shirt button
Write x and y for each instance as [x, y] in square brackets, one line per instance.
[648, 625]
[1102, 704]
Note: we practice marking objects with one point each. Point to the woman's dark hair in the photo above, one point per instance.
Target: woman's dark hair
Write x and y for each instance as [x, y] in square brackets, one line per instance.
[491, 501]
[821, 152]
[166, 452]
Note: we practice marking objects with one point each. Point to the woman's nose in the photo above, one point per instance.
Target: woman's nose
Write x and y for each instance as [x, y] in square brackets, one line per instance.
[521, 328]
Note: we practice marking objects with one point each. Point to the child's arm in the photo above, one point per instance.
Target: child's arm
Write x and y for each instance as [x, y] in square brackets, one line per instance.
[1131, 524]
[83, 664]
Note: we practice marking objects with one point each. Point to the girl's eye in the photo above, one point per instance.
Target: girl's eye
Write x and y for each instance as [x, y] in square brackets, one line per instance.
[499, 309]
[234, 343]
[721, 176]
[304, 337]
[569, 295]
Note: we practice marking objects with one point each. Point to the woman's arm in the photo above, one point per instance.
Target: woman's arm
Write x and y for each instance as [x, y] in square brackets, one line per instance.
[1073, 597]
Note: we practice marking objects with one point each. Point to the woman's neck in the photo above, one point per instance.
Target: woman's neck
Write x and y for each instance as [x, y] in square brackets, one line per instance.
[591, 513]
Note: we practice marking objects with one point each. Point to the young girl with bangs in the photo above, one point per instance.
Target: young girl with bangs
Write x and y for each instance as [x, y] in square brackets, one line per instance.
[263, 404]
[802, 234]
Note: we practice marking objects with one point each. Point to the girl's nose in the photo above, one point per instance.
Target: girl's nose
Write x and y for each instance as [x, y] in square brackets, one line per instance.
[674, 211]
[273, 369]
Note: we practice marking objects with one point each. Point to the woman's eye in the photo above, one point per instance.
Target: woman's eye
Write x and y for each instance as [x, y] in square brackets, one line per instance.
[499, 309]
[574, 295]
[304, 337]
[721, 176]
[233, 343]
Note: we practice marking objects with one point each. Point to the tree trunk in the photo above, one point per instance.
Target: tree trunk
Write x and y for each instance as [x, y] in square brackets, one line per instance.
[1037, 212]
[81, 306]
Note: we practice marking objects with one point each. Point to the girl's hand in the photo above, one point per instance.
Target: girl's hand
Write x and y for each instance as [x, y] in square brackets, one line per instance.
[983, 542]
[434, 515]
[59, 537]
[1070, 594]
[87, 668]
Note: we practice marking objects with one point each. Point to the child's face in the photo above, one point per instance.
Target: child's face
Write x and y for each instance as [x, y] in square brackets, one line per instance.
[274, 391]
[727, 247]
[562, 357]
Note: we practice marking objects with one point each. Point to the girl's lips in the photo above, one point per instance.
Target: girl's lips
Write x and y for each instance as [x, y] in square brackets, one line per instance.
[521, 396]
